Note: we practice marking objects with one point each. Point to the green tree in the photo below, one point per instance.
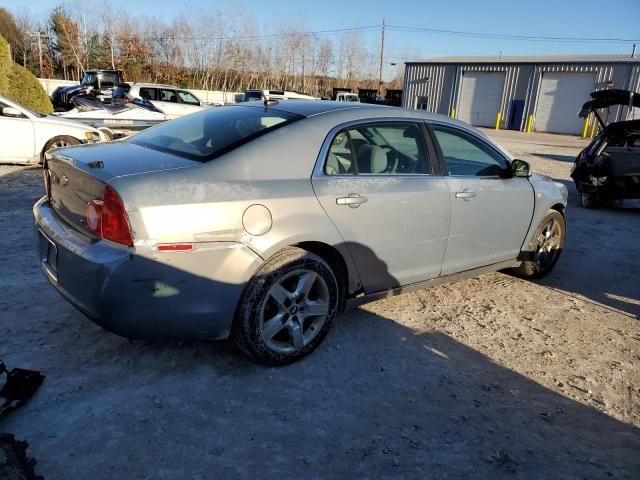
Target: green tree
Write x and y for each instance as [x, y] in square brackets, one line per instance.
[67, 41]
[10, 31]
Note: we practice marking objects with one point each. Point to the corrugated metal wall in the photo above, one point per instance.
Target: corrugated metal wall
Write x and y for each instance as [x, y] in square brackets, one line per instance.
[426, 81]
[437, 86]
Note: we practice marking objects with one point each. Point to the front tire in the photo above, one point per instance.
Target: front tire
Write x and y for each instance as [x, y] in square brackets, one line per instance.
[287, 308]
[60, 142]
[545, 247]
[587, 200]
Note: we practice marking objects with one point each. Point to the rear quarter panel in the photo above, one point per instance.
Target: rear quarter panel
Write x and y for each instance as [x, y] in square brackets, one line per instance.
[207, 203]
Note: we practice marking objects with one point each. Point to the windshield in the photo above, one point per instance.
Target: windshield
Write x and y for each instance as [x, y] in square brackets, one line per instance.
[89, 78]
[211, 133]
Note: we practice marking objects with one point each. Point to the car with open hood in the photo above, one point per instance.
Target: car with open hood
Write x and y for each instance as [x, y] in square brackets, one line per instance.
[608, 169]
[262, 220]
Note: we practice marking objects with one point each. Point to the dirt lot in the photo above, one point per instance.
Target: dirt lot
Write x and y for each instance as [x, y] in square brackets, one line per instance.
[490, 377]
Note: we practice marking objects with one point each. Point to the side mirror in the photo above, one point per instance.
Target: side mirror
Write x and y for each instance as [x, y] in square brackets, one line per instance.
[520, 168]
[11, 112]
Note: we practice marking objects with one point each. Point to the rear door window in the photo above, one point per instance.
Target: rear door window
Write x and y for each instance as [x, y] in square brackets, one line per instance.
[168, 96]
[149, 93]
[390, 148]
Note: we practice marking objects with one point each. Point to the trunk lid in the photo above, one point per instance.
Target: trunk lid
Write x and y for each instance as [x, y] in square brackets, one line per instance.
[608, 98]
[80, 174]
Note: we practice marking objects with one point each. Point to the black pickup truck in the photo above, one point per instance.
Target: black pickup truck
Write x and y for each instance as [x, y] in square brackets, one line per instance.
[98, 83]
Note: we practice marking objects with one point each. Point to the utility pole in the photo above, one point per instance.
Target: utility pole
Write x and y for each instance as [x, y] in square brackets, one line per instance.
[381, 59]
[40, 51]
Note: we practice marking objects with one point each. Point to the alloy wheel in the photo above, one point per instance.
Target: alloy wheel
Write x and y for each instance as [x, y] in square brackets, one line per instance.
[549, 244]
[294, 311]
[60, 143]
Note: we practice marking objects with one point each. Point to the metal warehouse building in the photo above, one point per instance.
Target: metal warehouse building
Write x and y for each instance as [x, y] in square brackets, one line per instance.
[542, 93]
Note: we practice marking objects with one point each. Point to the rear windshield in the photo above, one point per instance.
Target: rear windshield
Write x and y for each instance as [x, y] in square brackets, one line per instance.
[252, 96]
[212, 132]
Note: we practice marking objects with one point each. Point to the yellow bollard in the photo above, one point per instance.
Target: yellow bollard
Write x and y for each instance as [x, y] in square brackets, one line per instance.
[594, 129]
[453, 113]
[498, 117]
[529, 123]
[585, 129]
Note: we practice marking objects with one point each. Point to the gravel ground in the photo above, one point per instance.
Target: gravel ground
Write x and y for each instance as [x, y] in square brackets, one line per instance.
[492, 377]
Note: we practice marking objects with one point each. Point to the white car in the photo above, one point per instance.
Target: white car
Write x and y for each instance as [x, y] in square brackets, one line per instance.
[258, 94]
[173, 101]
[25, 135]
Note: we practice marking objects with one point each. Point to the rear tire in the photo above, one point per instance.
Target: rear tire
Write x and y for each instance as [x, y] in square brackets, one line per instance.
[287, 308]
[545, 247]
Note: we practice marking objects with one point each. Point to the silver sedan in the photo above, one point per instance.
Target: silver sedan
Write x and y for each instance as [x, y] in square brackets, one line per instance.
[262, 221]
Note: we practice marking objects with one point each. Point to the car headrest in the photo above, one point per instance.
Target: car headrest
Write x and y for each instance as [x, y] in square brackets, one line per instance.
[411, 132]
[372, 159]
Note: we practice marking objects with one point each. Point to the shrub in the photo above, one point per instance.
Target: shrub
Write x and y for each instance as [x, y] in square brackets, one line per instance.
[5, 66]
[26, 89]
[20, 85]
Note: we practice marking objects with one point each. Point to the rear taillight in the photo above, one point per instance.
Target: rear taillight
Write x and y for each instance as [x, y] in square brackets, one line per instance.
[108, 219]
[115, 225]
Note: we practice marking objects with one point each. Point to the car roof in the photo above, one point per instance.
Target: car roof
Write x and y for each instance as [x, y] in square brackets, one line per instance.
[308, 108]
[351, 110]
[155, 85]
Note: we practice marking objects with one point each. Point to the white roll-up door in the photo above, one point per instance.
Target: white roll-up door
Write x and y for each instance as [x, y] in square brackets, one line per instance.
[480, 97]
[559, 100]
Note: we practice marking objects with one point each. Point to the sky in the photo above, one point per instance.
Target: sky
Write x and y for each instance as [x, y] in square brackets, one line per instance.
[618, 19]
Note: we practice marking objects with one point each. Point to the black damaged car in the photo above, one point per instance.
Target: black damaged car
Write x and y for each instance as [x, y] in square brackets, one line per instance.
[97, 83]
[609, 168]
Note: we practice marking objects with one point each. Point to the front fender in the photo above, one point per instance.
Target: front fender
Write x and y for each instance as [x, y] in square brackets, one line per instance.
[547, 194]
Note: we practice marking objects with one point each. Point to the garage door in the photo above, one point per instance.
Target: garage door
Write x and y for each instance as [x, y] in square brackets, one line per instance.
[480, 97]
[560, 98]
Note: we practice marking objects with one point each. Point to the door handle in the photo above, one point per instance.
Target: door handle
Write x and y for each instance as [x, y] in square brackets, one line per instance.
[354, 200]
[465, 195]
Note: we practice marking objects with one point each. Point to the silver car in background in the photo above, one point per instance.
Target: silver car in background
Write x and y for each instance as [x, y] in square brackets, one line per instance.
[261, 221]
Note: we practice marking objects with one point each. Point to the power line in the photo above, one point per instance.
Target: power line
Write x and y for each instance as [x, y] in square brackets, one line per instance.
[529, 38]
[266, 36]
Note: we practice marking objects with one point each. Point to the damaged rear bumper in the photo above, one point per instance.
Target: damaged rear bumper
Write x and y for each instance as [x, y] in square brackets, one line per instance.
[139, 293]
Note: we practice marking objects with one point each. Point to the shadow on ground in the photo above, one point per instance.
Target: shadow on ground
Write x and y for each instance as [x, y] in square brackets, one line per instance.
[598, 261]
[377, 400]
[559, 158]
